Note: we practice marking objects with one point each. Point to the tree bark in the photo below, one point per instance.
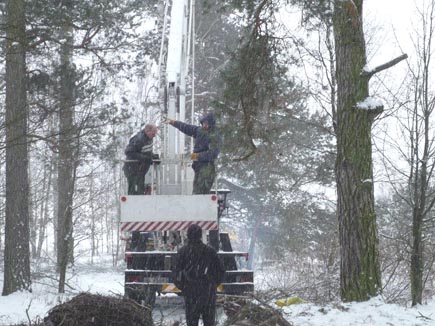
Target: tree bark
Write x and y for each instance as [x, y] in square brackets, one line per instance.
[17, 252]
[360, 270]
[66, 162]
[44, 215]
[422, 168]
[93, 226]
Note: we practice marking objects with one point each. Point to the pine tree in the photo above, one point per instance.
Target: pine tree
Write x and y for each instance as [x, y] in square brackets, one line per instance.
[17, 252]
[360, 266]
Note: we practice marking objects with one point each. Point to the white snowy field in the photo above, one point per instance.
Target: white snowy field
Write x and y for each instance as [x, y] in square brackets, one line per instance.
[102, 279]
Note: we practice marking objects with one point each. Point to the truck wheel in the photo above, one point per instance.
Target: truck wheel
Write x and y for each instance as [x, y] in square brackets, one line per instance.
[130, 294]
[213, 239]
[149, 298]
[145, 296]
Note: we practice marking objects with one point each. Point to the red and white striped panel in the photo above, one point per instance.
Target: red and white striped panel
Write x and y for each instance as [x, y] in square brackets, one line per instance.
[166, 225]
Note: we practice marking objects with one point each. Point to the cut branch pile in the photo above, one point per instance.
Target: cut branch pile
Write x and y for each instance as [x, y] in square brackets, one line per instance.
[88, 309]
[247, 313]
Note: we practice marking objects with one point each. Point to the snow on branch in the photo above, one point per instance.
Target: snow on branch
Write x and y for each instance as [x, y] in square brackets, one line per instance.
[370, 103]
[368, 72]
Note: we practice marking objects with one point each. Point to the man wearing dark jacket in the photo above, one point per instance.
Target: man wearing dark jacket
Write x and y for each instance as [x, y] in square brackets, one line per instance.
[197, 274]
[206, 149]
[139, 152]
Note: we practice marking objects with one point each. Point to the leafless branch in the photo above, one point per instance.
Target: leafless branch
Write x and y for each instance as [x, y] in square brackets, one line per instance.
[384, 66]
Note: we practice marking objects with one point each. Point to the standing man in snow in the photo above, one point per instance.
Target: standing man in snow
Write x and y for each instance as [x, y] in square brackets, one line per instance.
[197, 274]
[206, 149]
[139, 152]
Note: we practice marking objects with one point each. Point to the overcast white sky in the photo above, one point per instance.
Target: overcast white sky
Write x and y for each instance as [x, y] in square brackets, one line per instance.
[387, 21]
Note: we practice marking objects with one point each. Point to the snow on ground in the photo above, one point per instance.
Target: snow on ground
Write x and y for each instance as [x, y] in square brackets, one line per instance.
[372, 313]
[16, 307]
[106, 280]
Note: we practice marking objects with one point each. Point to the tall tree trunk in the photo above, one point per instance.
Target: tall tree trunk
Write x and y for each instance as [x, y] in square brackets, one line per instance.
[44, 208]
[2, 210]
[118, 190]
[360, 270]
[16, 253]
[418, 188]
[93, 227]
[253, 241]
[33, 216]
[66, 163]
[424, 105]
[55, 194]
[417, 258]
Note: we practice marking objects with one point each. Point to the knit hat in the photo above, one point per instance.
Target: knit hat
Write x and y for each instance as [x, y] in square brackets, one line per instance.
[209, 117]
[194, 232]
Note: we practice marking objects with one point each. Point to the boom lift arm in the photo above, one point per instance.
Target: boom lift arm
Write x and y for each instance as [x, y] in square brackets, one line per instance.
[157, 222]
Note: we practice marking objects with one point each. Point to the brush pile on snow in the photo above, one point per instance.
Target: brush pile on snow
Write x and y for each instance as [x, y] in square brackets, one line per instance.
[248, 313]
[88, 309]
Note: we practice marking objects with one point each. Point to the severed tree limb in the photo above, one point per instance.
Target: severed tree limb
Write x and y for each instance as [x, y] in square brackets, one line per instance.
[27, 312]
[248, 155]
[423, 316]
[384, 66]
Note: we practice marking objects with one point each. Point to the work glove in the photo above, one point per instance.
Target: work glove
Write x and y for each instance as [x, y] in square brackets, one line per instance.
[165, 119]
[194, 156]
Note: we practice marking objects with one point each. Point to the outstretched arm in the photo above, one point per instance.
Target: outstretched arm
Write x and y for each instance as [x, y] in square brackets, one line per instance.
[185, 128]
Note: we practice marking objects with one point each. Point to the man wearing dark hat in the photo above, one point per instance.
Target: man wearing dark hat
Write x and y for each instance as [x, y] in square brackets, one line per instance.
[206, 149]
[197, 274]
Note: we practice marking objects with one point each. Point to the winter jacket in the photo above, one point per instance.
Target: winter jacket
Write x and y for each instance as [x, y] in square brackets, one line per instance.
[198, 270]
[140, 151]
[207, 142]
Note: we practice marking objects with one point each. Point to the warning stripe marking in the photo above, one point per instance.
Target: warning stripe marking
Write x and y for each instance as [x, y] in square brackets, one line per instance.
[166, 226]
[169, 288]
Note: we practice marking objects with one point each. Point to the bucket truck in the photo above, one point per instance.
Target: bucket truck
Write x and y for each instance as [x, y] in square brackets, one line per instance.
[155, 225]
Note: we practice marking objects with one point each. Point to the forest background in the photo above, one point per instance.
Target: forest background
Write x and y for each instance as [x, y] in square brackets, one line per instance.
[90, 80]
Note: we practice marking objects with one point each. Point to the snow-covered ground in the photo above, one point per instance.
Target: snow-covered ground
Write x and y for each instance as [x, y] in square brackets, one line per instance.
[14, 308]
[18, 307]
[372, 313]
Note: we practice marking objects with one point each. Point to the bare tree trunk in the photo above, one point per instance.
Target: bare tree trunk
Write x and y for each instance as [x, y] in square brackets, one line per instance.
[421, 133]
[360, 269]
[94, 248]
[33, 233]
[117, 176]
[417, 259]
[56, 206]
[109, 230]
[66, 163]
[54, 125]
[2, 213]
[16, 253]
[417, 184]
[44, 211]
[253, 241]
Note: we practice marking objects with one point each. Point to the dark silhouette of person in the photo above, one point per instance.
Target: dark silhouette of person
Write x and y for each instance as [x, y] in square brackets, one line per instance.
[205, 150]
[139, 153]
[197, 273]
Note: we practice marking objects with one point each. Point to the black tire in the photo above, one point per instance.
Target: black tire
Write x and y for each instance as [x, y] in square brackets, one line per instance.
[149, 299]
[213, 239]
[145, 296]
[129, 293]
